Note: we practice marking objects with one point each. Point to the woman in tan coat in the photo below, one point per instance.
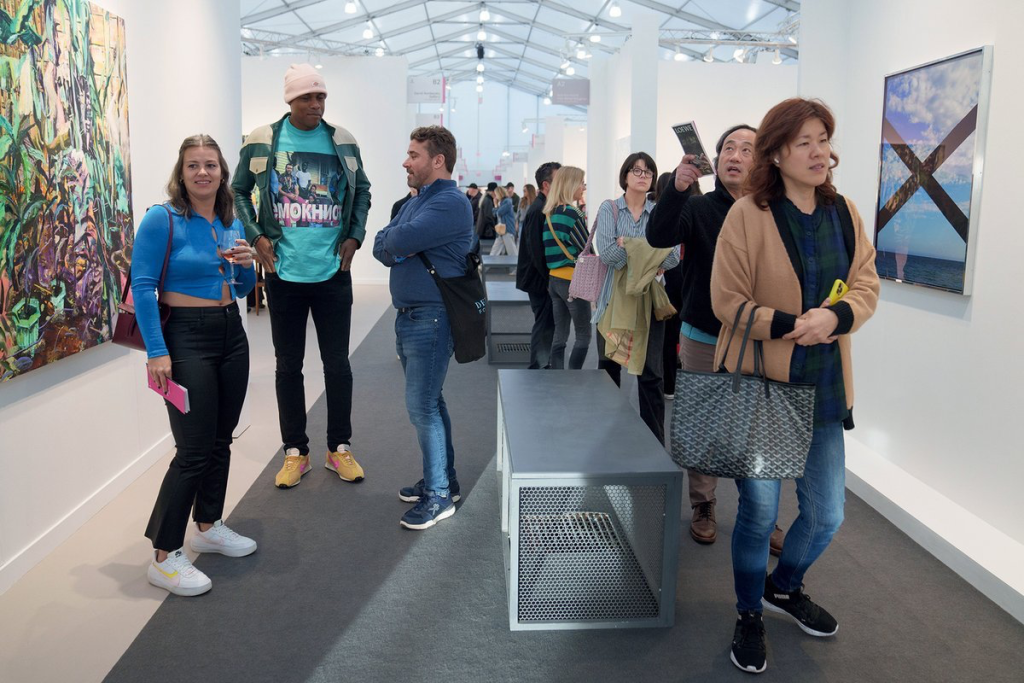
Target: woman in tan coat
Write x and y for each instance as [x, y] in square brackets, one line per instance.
[782, 248]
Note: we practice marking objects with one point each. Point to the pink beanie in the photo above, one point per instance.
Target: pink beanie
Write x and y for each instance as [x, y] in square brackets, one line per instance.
[301, 79]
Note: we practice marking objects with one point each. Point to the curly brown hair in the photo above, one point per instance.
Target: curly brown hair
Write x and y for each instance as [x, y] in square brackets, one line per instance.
[224, 204]
[780, 127]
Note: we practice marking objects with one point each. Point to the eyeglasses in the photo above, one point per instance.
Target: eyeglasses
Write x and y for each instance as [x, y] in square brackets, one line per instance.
[642, 172]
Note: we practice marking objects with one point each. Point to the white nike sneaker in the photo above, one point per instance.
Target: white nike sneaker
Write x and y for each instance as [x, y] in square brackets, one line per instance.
[219, 538]
[177, 575]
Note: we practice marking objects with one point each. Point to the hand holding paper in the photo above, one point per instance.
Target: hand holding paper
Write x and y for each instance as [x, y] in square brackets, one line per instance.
[175, 394]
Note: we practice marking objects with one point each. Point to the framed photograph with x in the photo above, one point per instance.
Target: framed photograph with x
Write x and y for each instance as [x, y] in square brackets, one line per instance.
[931, 157]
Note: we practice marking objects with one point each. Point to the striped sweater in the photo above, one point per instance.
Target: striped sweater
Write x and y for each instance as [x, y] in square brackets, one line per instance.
[570, 225]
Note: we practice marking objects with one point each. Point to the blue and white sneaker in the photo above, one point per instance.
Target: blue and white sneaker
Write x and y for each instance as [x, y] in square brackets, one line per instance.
[431, 509]
[413, 494]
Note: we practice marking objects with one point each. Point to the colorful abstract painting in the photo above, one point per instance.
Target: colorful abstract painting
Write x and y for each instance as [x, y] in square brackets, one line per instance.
[929, 172]
[65, 182]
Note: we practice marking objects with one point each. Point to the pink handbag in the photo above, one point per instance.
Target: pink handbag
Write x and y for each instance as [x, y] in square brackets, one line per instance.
[590, 272]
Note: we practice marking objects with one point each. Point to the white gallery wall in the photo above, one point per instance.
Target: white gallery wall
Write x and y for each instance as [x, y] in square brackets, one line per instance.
[366, 96]
[76, 432]
[939, 385]
[715, 96]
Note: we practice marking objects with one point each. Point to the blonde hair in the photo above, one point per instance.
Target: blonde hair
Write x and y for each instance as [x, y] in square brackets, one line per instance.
[563, 188]
[499, 194]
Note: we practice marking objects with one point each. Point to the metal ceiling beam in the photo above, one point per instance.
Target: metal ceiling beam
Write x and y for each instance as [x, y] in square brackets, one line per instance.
[434, 58]
[418, 25]
[431, 43]
[528, 60]
[785, 4]
[685, 16]
[348, 23]
[285, 8]
[544, 27]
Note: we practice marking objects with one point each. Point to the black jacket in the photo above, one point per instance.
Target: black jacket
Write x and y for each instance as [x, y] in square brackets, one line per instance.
[693, 221]
[485, 220]
[397, 206]
[474, 201]
[532, 269]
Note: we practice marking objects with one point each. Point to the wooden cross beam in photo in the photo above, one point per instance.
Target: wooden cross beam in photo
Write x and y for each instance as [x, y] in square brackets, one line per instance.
[922, 173]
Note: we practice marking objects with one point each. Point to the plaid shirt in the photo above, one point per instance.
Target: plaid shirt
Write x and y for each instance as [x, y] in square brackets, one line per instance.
[819, 239]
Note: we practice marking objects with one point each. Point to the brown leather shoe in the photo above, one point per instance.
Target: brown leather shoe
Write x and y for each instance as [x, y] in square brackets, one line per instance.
[703, 528]
[777, 539]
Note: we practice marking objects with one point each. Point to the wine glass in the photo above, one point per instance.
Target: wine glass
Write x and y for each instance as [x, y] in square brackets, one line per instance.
[227, 243]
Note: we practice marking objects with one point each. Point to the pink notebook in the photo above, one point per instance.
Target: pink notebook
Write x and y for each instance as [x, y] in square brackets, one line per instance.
[176, 394]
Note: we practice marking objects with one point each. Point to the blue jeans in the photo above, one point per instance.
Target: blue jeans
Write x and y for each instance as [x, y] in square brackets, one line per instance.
[821, 493]
[425, 345]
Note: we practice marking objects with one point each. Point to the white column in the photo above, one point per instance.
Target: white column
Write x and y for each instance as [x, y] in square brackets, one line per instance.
[600, 135]
[644, 83]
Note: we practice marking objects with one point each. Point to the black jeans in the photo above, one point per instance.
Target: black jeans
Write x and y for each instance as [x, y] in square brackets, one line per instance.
[209, 357]
[563, 311]
[291, 303]
[649, 384]
[543, 330]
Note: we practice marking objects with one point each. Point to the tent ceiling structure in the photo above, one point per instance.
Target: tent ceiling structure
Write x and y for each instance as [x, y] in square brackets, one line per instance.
[526, 43]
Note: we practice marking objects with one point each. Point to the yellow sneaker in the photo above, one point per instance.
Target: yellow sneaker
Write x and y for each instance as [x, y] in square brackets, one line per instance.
[295, 465]
[342, 462]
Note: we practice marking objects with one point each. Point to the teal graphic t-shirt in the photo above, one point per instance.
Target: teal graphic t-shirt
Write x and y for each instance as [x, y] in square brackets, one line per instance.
[304, 183]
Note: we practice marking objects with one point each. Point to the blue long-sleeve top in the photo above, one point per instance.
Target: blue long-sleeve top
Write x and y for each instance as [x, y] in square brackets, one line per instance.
[194, 267]
[506, 215]
[437, 222]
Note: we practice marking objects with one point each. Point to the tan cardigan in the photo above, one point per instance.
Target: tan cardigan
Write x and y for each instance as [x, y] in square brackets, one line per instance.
[756, 261]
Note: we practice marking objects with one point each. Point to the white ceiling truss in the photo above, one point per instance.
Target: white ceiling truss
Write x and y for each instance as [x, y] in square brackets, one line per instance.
[527, 43]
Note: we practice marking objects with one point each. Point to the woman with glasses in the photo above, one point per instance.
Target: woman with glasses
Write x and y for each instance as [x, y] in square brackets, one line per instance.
[618, 220]
[565, 235]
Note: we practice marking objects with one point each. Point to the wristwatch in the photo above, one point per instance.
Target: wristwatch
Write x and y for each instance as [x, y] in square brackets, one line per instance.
[257, 239]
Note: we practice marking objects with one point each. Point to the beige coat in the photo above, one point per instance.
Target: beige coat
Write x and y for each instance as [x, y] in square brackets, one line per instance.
[754, 263]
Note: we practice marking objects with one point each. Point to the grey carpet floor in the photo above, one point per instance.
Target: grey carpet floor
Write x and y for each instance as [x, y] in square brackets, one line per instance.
[339, 592]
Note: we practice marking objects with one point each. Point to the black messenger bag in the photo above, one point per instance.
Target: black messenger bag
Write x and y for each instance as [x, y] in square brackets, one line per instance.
[465, 299]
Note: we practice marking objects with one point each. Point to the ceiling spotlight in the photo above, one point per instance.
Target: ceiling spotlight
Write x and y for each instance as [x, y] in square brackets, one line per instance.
[595, 38]
[379, 52]
[318, 65]
[571, 71]
[547, 100]
[480, 67]
[792, 39]
[467, 54]
[777, 59]
[480, 80]
[479, 88]
[679, 56]
[565, 65]
[714, 35]
[526, 129]
[453, 108]
[615, 11]
[738, 54]
[368, 31]
[485, 15]
[481, 34]
[505, 153]
[583, 129]
[581, 53]
[350, 7]
[709, 57]
[447, 86]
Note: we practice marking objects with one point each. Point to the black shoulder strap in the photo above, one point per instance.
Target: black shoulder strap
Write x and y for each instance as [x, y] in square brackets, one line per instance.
[429, 265]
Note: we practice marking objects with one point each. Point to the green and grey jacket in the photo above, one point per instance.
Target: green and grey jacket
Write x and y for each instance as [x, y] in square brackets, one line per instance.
[253, 172]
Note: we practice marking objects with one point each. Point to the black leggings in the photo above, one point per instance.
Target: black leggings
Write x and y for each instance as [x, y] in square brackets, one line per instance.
[209, 357]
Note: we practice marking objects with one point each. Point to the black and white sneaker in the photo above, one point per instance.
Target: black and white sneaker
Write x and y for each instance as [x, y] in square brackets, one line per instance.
[748, 643]
[812, 618]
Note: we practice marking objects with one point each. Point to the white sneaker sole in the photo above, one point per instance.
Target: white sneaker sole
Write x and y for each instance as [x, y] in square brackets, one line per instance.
[178, 590]
[809, 631]
[748, 669]
[332, 469]
[426, 525]
[415, 499]
[200, 546]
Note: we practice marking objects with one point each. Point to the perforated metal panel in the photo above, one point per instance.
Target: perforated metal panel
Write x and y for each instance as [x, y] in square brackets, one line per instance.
[590, 553]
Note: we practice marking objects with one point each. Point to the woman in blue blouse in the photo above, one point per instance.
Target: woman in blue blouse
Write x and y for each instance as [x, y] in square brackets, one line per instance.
[504, 244]
[203, 348]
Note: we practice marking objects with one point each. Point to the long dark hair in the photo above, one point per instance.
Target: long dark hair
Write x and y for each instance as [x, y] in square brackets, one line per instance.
[224, 204]
[780, 126]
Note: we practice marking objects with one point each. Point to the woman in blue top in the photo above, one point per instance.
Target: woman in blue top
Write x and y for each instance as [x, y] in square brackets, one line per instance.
[203, 348]
[504, 244]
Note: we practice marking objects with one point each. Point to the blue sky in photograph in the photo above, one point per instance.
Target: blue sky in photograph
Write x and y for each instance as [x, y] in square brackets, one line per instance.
[923, 106]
